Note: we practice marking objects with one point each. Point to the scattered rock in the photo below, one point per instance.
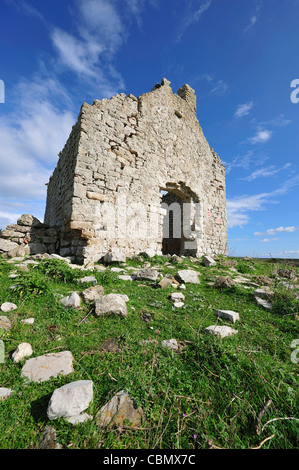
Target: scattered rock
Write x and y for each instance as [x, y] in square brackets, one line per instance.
[263, 280]
[178, 304]
[224, 282]
[111, 304]
[228, 315]
[146, 317]
[115, 256]
[165, 282]
[118, 411]
[147, 274]
[73, 300]
[49, 439]
[208, 261]
[263, 297]
[182, 287]
[23, 350]
[8, 307]
[188, 275]
[70, 400]
[5, 393]
[286, 273]
[177, 296]
[125, 277]
[170, 343]
[91, 294]
[110, 345]
[221, 331]
[28, 321]
[176, 259]
[41, 368]
[87, 279]
[5, 323]
[117, 270]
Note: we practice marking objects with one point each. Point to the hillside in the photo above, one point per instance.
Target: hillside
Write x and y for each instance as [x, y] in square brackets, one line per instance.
[198, 391]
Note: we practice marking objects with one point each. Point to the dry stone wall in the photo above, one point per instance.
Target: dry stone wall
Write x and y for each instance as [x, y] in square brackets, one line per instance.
[123, 153]
[130, 168]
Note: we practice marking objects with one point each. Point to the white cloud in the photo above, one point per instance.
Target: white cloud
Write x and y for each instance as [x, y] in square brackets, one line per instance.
[220, 88]
[243, 110]
[254, 17]
[265, 172]
[268, 240]
[261, 136]
[273, 231]
[192, 15]
[238, 208]
[30, 140]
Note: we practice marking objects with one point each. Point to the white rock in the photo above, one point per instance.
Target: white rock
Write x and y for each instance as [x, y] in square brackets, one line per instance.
[72, 300]
[178, 304]
[228, 315]
[188, 275]
[87, 279]
[208, 261]
[182, 287]
[221, 331]
[70, 400]
[23, 350]
[125, 277]
[5, 393]
[41, 368]
[28, 321]
[170, 343]
[177, 296]
[112, 304]
[81, 418]
[8, 307]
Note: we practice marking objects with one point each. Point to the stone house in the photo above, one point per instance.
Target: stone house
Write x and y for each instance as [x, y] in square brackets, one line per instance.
[138, 175]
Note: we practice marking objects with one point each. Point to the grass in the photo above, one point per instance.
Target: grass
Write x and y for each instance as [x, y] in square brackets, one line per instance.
[240, 392]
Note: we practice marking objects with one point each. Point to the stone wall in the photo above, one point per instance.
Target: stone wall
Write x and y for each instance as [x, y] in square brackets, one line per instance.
[105, 193]
[125, 163]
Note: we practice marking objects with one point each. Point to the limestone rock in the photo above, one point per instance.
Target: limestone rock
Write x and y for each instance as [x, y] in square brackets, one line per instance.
[286, 273]
[115, 256]
[7, 246]
[228, 315]
[147, 274]
[72, 300]
[221, 331]
[87, 279]
[8, 307]
[41, 368]
[263, 297]
[175, 296]
[5, 323]
[91, 294]
[224, 282]
[111, 304]
[178, 304]
[70, 400]
[29, 220]
[23, 350]
[165, 282]
[170, 343]
[208, 261]
[118, 411]
[49, 439]
[5, 393]
[188, 275]
[28, 321]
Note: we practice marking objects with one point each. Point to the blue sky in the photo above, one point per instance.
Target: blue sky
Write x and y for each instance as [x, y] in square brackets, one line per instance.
[240, 56]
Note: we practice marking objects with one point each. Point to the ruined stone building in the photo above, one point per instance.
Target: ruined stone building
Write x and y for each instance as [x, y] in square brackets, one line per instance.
[138, 175]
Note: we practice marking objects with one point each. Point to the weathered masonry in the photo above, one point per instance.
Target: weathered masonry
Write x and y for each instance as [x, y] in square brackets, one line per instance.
[137, 175]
